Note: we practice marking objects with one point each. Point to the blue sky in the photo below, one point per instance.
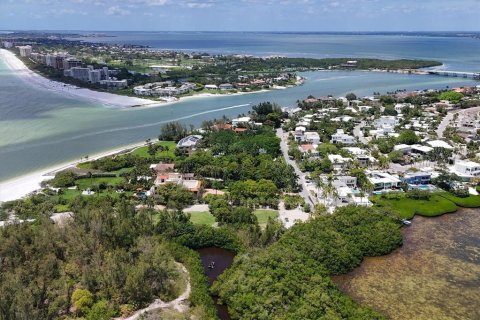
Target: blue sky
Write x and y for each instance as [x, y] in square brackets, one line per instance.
[241, 15]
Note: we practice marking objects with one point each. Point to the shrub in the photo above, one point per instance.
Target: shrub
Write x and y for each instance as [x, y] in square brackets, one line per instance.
[418, 194]
[82, 300]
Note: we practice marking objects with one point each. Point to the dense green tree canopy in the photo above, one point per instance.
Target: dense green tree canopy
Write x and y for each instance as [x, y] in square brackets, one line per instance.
[290, 279]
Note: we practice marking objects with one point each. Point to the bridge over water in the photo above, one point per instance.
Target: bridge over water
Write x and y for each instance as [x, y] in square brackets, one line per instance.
[449, 73]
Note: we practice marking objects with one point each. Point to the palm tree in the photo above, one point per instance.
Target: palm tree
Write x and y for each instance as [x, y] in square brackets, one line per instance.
[319, 184]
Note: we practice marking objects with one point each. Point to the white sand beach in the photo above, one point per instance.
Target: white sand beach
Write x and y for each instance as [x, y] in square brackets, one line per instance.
[17, 188]
[34, 79]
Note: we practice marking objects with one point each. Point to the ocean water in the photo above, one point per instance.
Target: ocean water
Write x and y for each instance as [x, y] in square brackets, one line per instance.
[39, 128]
[457, 53]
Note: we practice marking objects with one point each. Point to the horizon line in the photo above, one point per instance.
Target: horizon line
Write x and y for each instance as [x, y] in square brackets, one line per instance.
[252, 31]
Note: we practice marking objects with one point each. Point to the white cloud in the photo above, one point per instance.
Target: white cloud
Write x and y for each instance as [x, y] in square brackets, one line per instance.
[117, 11]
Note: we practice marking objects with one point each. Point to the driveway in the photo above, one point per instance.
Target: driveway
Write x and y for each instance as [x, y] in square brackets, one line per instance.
[357, 132]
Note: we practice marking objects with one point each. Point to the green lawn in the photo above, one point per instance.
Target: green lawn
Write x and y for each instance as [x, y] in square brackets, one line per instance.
[88, 183]
[407, 208]
[468, 202]
[205, 218]
[263, 215]
[143, 151]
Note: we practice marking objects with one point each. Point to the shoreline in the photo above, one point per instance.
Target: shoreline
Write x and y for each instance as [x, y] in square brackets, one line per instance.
[19, 187]
[34, 79]
[104, 98]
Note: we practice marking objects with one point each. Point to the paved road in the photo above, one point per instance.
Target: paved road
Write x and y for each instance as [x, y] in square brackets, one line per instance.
[301, 176]
[357, 132]
[449, 117]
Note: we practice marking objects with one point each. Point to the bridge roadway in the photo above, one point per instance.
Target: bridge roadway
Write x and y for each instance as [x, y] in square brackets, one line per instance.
[449, 73]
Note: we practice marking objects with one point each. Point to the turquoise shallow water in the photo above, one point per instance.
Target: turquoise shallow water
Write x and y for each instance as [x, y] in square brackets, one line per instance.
[40, 128]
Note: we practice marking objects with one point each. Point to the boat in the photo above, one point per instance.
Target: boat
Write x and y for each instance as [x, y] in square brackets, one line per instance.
[211, 265]
[406, 222]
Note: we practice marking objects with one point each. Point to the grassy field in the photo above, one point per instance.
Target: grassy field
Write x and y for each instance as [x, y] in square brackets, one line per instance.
[88, 183]
[263, 215]
[468, 202]
[205, 218]
[407, 208]
[143, 151]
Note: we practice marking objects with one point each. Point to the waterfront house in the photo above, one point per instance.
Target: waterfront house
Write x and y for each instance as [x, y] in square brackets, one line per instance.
[211, 87]
[226, 86]
[466, 169]
[383, 181]
[243, 121]
[417, 178]
[188, 144]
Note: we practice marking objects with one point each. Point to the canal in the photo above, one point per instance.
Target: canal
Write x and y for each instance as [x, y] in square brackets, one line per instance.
[215, 261]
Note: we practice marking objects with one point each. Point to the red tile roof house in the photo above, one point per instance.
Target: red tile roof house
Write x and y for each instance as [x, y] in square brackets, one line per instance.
[309, 149]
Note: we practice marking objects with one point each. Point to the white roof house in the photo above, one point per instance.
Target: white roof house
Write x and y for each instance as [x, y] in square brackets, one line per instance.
[383, 180]
[311, 137]
[416, 148]
[242, 120]
[342, 137]
[300, 129]
[190, 141]
[466, 169]
[386, 121]
[363, 108]
[356, 151]
[399, 106]
[439, 144]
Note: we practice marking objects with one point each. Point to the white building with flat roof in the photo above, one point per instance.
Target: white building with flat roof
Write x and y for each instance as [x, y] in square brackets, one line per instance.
[383, 180]
[241, 121]
[311, 137]
[342, 137]
[466, 169]
[439, 144]
[384, 121]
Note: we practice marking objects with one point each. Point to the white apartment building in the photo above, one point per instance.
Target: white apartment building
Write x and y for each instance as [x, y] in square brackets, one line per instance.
[25, 51]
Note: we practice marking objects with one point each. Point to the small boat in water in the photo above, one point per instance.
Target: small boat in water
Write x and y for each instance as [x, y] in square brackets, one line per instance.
[406, 222]
[211, 265]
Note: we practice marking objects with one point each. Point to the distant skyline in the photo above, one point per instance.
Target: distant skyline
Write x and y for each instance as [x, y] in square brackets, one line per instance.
[240, 15]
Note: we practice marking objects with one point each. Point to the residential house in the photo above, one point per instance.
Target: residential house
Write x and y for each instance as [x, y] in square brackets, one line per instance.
[311, 137]
[384, 121]
[383, 180]
[243, 121]
[342, 137]
[339, 163]
[310, 149]
[226, 86]
[417, 178]
[466, 169]
[188, 144]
